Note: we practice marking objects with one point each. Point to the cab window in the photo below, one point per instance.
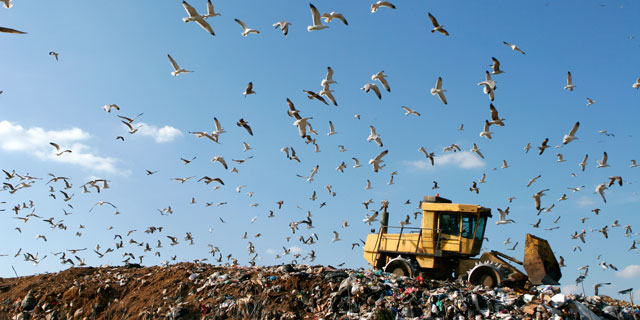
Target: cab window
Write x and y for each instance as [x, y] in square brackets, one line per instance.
[468, 225]
[481, 224]
[449, 224]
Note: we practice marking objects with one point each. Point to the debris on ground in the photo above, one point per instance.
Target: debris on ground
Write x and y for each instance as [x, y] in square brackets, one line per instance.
[199, 291]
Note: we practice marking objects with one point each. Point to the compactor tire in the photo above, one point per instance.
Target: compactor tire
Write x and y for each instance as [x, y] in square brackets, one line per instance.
[487, 275]
[399, 267]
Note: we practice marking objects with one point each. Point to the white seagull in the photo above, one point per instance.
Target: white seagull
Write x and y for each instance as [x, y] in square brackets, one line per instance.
[503, 218]
[332, 130]
[108, 107]
[333, 15]
[600, 190]
[439, 91]
[513, 47]
[377, 5]
[485, 131]
[372, 86]
[572, 134]
[603, 163]
[380, 76]
[375, 162]
[199, 19]
[283, 25]
[246, 31]
[409, 111]
[569, 85]
[176, 69]
[374, 136]
[317, 22]
[637, 84]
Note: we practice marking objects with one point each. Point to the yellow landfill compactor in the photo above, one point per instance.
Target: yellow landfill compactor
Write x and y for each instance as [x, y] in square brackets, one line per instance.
[444, 244]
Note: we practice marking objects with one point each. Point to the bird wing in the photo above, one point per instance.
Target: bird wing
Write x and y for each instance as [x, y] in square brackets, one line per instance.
[384, 83]
[173, 63]
[9, 30]
[605, 157]
[443, 31]
[375, 88]
[249, 87]
[190, 10]
[210, 10]
[340, 17]
[244, 27]
[439, 83]
[217, 123]
[205, 25]
[55, 145]
[574, 129]
[331, 129]
[496, 63]
[386, 4]
[434, 22]
[128, 125]
[315, 15]
[382, 154]
[569, 78]
[494, 112]
[373, 130]
[329, 75]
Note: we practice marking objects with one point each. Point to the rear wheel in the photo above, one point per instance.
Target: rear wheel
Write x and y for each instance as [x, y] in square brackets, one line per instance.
[400, 267]
[485, 274]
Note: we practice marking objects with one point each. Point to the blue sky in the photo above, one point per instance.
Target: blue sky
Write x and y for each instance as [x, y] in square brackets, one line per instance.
[116, 52]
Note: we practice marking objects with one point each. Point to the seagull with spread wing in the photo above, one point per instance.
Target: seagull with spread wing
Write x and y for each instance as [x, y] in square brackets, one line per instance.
[376, 162]
[572, 134]
[176, 69]
[439, 91]
[245, 31]
[437, 26]
[317, 21]
[199, 19]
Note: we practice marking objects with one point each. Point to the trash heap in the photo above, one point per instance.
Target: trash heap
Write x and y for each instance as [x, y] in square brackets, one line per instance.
[199, 291]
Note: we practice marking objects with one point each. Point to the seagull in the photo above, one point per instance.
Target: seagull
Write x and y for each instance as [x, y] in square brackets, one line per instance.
[495, 66]
[9, 30]
[474, 187]
[436, 26]
[108, 107]
[327, 93]
[199, 19]
[210, 11]
[332, 130]
[560, 158]
[283, 25]
[317, 22]
[533, 180]
[477, 151]
[336, 237]
[590, 102]
[495, 119]
[220, 160]
[600, 190]
[7, 4]
[572, 134]
[439, 91]
[375, 162]
[603, 163]
[302, 124]
[485, 132]
[563, 198]
[246, 147]
[328, 79]
[537, 197]
[245, 31]
[527, 147]
[635, 85]
[377, 5]
[374, 87]
[58, 151]
[244, 124]
[410, 111]
[55, 54]
[368, 186]
[435, 185]
[374, 136]
[312, 95]
[371, 218]
[543, 146]
[357, 163]
[613, 180]
[489, 86]
[248, 90]
[513, 47]
[380, 76]
[333, 15]
[569, 85]
[503, 219]
[633, 164]
[483, 178]
[176, 69]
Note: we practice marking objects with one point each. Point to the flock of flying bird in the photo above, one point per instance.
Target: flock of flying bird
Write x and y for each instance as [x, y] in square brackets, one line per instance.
[61, 187]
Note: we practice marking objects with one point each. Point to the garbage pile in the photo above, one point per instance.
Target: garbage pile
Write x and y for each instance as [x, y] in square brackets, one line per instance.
[199, 291]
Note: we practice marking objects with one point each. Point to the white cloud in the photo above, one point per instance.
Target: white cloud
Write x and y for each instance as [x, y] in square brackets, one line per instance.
[464, 160]
[585, 201]
[35, 141]
[295, 250]
[161, 135]
[631, 271]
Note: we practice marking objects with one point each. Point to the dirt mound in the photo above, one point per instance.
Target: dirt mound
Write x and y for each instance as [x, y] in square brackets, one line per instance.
[198, 291]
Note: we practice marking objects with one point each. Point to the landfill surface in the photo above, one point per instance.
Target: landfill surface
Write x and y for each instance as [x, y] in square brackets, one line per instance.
[200, 291]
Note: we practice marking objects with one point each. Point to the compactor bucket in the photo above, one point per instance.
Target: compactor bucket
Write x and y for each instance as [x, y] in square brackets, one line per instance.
[539, 262]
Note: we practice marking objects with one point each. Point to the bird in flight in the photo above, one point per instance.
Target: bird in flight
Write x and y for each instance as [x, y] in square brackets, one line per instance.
[437, 26]
[317, 21]
[439, 91]
[513, 47]
[176, 69]
[9, 30]
[283, 25]
[569, 85]
[198, 18]
[59, 152]
[384, 4]
[245, 31]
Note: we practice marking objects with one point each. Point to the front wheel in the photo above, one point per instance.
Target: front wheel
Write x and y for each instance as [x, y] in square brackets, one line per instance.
[400, 267]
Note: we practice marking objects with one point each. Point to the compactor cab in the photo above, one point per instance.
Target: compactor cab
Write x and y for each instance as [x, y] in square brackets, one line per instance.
[445, 242]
